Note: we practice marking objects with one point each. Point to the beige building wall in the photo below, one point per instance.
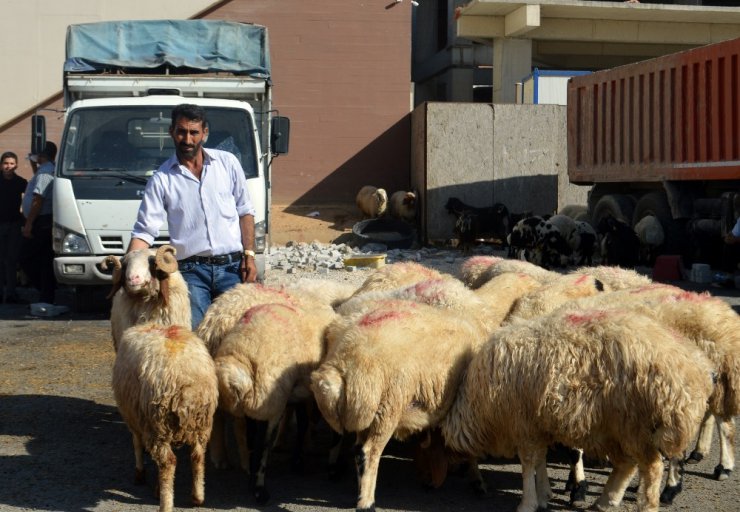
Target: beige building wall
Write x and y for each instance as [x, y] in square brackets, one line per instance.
[32, 41]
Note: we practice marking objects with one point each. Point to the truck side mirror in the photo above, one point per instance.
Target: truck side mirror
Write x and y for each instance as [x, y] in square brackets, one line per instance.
[280, 135]
[38, 134]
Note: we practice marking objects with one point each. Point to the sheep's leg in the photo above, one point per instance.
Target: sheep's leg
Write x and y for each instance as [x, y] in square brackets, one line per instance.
[674, 481]
[530, 460]
[217, 444]
[264, 439]
[240, 433]
[544, 491]
[475, 477]
[334, 452]
[166, 463]
[139, 477]
[651, 473]
[368, 450]
[704, 443]
[576, 483]
[301, 417]
[726, 428]
[198, 470]
[617, 483]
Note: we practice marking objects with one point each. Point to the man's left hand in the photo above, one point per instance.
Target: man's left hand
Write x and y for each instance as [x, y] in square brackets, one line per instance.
[248, 270]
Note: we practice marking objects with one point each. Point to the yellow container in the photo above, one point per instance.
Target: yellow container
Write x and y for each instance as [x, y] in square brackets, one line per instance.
[376, 260]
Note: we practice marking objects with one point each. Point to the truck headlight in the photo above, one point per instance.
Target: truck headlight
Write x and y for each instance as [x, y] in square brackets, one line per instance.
[69, 243]
[259, 236]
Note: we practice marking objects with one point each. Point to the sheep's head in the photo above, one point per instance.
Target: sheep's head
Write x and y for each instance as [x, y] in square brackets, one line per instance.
[144, 273]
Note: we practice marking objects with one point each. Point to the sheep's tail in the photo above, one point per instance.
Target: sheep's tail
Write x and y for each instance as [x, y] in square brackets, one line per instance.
[235, 384]
[327, 385]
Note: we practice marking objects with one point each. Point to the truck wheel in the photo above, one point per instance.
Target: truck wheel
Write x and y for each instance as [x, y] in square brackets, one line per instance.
[91, 299]
[656, 204]
[619, 206]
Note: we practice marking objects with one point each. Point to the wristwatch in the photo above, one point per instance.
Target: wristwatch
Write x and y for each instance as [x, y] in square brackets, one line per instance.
[248, 253]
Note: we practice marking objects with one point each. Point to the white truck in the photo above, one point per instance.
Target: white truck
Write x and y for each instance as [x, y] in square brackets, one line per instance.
[121, 81]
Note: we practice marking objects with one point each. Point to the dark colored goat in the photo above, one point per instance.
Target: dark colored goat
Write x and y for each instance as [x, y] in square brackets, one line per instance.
[620, 245]
[473, 223]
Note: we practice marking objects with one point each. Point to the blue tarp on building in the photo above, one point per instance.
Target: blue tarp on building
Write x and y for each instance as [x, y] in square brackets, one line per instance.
[203, 45]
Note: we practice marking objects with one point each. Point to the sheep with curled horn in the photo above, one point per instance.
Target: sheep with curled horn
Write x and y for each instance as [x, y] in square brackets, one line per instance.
[147, 287]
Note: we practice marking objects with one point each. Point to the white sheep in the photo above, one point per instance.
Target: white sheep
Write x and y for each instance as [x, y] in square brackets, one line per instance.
[615, 278]
[395, 276]
[264, 363]
[402, 205]
[612, 382]
[478, 270]
[164, 383]
[714, 327]
[392, 371]
[147, 287]
[372, 201]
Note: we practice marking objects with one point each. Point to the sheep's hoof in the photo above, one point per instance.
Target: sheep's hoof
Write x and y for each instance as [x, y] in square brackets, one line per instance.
[694, 458]
[669, 493]
[197, 502]
[261, 495]
[139, 476]
[578, 494]
[371, 508]
[721, 474]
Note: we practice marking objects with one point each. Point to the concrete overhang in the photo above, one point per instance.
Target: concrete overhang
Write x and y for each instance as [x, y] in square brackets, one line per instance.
[603, 22]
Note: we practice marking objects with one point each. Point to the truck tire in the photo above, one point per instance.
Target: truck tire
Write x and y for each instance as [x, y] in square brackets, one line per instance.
[656, 204]
[619, 206]
[91, 299]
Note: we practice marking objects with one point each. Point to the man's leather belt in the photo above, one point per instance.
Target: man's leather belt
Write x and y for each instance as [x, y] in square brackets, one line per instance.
[223, 259]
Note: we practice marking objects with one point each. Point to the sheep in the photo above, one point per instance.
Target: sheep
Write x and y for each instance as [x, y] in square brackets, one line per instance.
[371, 201]
[615, 278]
[714, 327]
[650, 233]
[226, 312]
[396, 275]
[263, 364]
[612, 382]
[619, 244]
[478, 270]
[164, 383]
[523, 236]
[402, 206]
[391, 371]
[549, 297]
[583, 242]
[147, 287]
[552, 247]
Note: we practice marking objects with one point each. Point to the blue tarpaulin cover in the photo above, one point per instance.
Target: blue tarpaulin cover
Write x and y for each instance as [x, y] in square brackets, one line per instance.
[204, 45]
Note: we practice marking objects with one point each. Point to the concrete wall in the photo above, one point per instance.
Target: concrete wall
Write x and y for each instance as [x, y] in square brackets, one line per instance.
[482, 154]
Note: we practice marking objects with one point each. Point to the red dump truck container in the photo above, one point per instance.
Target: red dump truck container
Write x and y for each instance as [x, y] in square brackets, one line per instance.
[660, 137]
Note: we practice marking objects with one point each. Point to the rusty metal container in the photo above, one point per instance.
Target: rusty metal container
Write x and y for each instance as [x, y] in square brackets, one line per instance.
[670, 118]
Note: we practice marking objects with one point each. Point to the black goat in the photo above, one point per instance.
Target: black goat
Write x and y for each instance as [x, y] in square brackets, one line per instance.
[473, 222]
[620, 245]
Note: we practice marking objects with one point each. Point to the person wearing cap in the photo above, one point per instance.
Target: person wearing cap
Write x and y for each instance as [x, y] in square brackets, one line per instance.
[12, 187]
[202, 193]
[37, 252]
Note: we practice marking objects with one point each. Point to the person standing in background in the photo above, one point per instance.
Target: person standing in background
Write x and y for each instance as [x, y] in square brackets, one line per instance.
[37, 253]
[12, 187]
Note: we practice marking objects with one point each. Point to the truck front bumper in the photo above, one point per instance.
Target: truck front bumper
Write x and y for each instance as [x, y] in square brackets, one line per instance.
[80, 271]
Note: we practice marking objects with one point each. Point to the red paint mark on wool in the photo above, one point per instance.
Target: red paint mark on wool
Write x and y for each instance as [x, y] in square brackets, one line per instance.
[578, 319]
[581, 280]
[431, 291]
[377, 317]
[688, 297]
[175, 337]
[274, 310]
[477, 261]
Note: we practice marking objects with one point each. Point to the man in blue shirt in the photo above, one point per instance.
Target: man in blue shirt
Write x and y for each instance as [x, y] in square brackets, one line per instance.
[203, 195]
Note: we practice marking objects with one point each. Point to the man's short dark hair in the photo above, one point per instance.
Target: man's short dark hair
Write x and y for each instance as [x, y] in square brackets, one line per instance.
[190, 112]
[9, 154]
[49, 151]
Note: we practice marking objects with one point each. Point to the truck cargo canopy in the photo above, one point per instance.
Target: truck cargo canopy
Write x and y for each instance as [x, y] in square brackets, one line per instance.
[195, 45]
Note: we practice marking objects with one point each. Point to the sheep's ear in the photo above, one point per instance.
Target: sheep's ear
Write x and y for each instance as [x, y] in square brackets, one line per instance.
[165, 259]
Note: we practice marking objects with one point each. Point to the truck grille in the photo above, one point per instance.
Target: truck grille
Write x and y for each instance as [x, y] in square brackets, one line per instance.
[114, 244]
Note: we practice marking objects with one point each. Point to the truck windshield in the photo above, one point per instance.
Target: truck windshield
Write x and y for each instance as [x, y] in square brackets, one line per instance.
[132, 142]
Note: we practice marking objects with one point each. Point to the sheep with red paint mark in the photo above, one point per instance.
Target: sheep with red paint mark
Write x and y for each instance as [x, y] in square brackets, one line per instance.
[615, 278]
[615, 383]
[391, 371]
[395, 276]
[478, 270]
[714, 327]
[263, 364]
[164, 384]
[147, 287]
